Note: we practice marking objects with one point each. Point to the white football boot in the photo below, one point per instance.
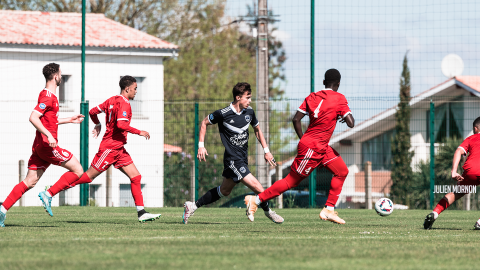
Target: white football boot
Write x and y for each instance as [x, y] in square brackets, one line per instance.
[145, 216]
[276, 218]
[188, 211]
[251, 207]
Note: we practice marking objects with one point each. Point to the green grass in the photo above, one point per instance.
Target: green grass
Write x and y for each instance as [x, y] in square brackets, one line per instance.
[216, 238]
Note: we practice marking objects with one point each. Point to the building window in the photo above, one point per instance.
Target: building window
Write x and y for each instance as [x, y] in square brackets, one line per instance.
[136, 104]
[94, 194]
[378, 150]
[126, 198]
[63, 91]
[448, 121]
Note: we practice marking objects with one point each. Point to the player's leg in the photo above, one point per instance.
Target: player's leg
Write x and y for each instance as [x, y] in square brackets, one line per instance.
[443, 204]
[101, 162]
[29, 182]
[335, 164]
[132, 172]
[252, 183]
[448, 199]
[63, 158]
[209, 197]
[305, 160]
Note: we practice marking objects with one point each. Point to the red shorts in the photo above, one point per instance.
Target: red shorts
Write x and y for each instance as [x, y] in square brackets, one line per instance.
[307, 159]
[44, 155]
[106, 157]
[469, 179]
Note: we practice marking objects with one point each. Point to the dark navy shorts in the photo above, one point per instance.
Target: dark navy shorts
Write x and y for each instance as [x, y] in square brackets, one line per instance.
[235, 170]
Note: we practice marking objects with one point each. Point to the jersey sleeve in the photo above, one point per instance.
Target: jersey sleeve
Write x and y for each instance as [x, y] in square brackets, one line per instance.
[44, 104]
[103, 106]
[215, 117]
[254, 121]
[465, 146]
[303, 107]
[342, 108]
[123, 112]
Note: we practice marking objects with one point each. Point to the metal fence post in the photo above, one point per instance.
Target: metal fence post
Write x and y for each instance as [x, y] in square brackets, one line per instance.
[432, 152]
[21, 176]
[193, 185]
[84, 152]
[84, 111]
[279, 175]
[197, 133]
[109, 187]
[312, 183]
[368, 185]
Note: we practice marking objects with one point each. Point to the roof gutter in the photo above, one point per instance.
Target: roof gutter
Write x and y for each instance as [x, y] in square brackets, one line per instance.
[55, 49]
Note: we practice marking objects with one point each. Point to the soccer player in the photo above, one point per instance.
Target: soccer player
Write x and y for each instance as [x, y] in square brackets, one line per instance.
[118, 115]
[45, 149]
[470, 176]
[233, 122]
[324, 108]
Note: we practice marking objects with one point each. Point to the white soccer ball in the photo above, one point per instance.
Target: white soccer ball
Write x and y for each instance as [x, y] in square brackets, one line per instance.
[384, 207]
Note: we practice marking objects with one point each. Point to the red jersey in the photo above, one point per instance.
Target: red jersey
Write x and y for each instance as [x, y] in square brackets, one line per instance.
[323, 107]
[47, 107]
[116, 108]
[471, 145]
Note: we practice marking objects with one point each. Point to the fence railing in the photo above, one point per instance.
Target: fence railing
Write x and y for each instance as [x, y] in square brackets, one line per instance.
[171, 175]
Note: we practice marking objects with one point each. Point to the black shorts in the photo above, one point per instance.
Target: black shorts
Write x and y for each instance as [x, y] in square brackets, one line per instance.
[235, 170]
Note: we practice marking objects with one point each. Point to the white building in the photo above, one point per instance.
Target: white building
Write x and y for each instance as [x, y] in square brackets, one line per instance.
[29, 41]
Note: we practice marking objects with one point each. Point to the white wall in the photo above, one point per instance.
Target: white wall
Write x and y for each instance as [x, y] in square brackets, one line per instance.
[23, 80]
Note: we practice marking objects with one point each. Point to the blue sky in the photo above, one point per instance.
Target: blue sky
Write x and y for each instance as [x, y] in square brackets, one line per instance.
[366, 41]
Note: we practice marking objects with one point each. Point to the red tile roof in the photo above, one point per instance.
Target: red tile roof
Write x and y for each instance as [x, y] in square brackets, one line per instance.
[53, 28]
[471, 81]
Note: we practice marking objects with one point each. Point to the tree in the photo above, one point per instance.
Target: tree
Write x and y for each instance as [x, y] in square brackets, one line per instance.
[402, 174]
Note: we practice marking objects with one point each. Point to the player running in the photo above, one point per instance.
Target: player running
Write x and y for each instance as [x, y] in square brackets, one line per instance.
[324, 108]
[118, 115]
[233, 122]
[45, 149]
[470, 176]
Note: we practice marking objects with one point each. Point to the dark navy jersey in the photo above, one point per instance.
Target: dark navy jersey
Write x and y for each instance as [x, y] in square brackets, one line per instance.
[233, 128]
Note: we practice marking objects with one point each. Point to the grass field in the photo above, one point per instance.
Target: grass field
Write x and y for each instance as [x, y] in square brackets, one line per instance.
[220, 238]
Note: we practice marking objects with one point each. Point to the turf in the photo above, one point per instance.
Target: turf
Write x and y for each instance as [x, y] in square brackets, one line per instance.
[222, 238]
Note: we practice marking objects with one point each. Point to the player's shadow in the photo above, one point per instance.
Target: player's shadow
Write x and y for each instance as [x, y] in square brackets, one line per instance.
[446, 229]
[92, 222]
[27, 226]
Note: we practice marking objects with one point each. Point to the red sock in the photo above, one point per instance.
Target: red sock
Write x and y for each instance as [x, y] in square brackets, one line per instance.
[442, 205]
[65, 182]
[292, 180]
[15, 195]
[137, 190]
[340, 172]
[84, 179]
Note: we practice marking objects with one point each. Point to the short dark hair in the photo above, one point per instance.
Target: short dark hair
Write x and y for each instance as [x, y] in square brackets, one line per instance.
[50, 70]
[126, 81]
[240, 88]
[332, 76]
[476, 123]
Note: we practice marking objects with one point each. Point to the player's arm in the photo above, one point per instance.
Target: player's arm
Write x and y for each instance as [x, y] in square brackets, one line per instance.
[76, 119]
[202, 151]
[456, 160]
[93, 115]
[37, 123]
[124, 125]
[297, 123]
[268, 156]
[349, 120]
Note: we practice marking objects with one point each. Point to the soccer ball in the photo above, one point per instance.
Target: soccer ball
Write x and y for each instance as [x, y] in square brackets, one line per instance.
[384, 207]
